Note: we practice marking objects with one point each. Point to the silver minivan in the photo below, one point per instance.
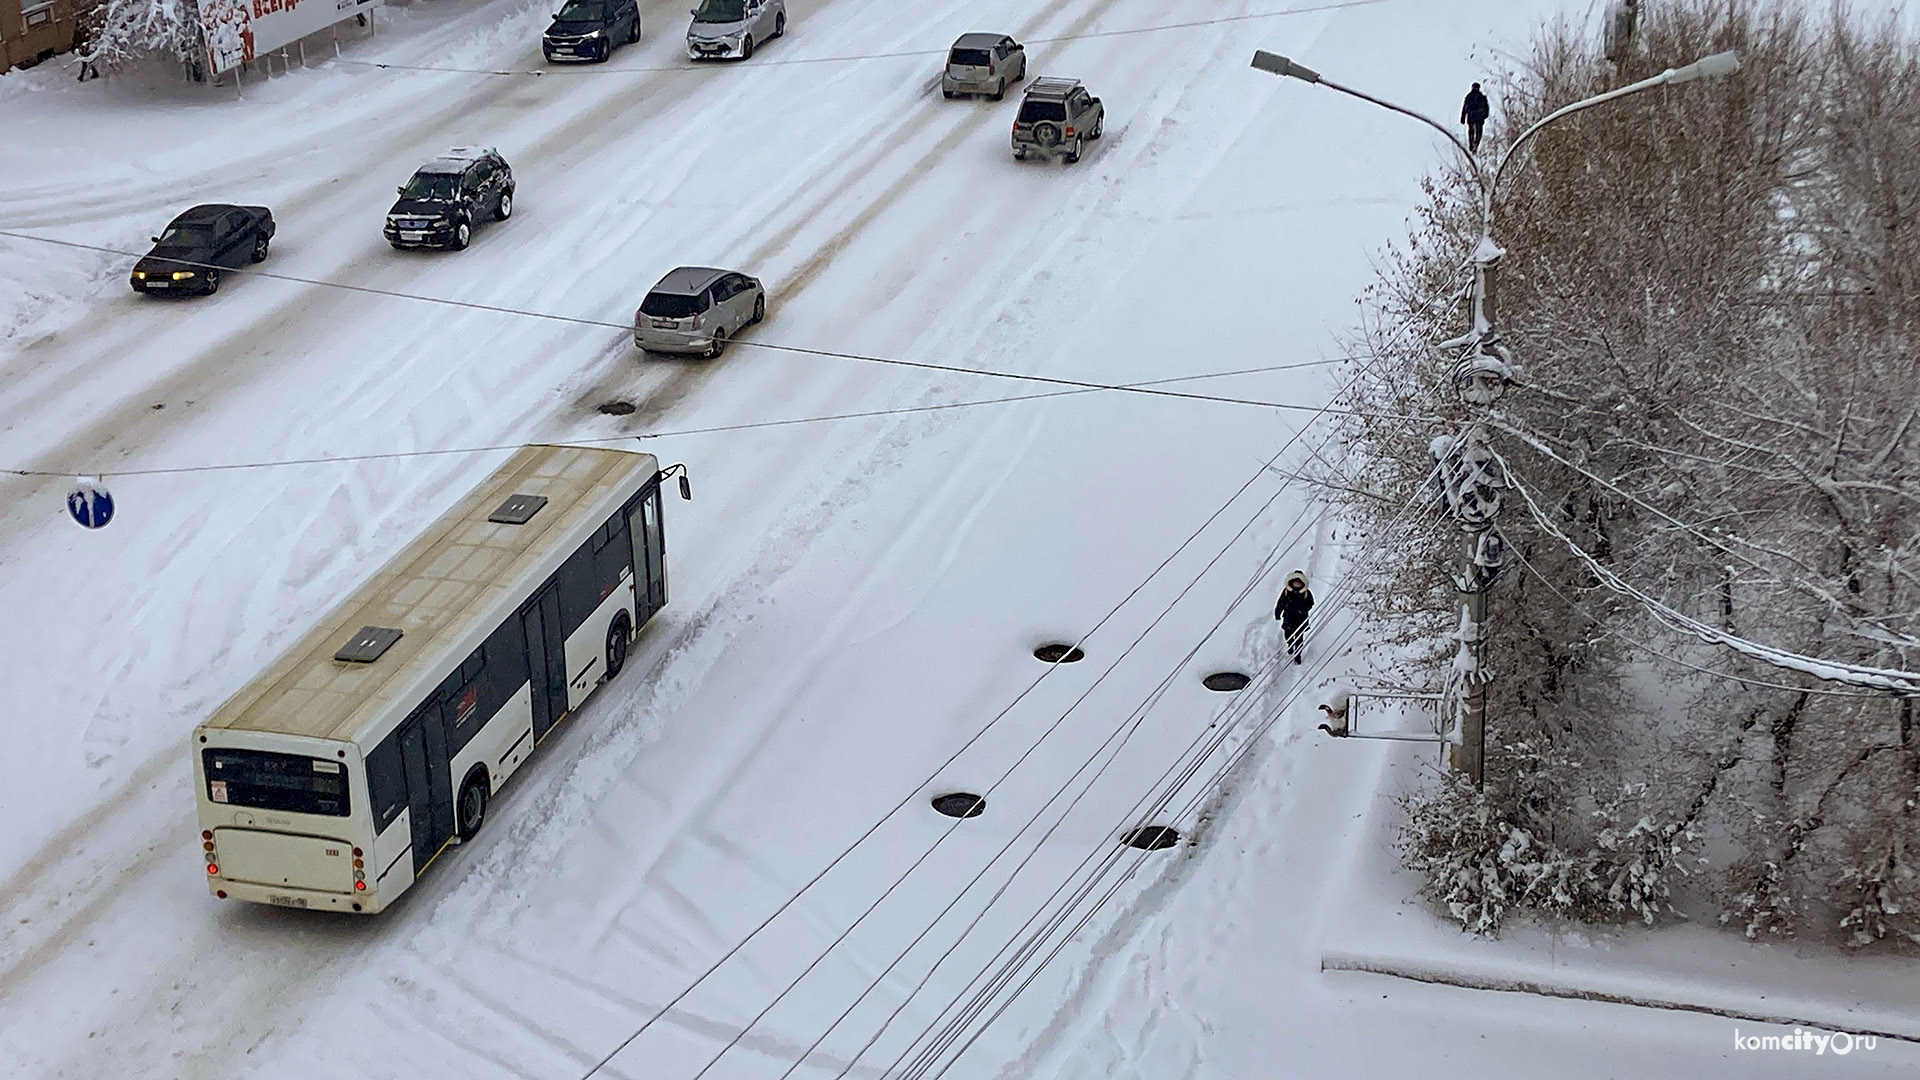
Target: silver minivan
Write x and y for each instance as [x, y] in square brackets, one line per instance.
[731, 27]
[695, 309]
[983, 64]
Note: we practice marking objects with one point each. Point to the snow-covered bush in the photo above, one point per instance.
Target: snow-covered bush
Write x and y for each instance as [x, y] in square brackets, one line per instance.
[124, 31]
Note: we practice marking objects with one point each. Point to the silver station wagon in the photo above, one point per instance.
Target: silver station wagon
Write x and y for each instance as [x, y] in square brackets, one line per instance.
[695, 309]
[983, 64]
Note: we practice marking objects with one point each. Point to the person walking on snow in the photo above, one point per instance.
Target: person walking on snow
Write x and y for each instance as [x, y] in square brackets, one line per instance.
[1473, 113]
[1295, 602]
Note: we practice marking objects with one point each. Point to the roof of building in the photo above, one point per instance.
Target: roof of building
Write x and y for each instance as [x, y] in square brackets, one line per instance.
[444, 593]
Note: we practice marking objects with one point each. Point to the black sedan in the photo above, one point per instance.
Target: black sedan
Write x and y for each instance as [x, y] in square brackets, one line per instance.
[197, 245]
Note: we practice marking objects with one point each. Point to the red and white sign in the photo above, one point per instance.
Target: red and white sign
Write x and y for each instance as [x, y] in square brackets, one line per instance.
[239, 30]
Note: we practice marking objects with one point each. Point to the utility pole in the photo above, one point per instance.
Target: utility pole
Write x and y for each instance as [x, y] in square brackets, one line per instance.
[1469, 470]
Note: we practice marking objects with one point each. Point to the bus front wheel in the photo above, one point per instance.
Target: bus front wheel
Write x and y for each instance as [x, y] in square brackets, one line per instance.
[473, 804]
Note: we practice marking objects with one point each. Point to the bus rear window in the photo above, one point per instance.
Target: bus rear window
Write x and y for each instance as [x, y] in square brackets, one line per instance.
[263, 780]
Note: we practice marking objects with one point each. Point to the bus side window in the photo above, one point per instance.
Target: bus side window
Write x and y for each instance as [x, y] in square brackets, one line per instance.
[386, 783]
[506, 669]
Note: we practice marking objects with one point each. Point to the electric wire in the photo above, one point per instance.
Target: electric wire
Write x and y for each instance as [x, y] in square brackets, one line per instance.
[970, 741]
[1182, 775]
[1641, 646]
[603, 69]
[748, 425]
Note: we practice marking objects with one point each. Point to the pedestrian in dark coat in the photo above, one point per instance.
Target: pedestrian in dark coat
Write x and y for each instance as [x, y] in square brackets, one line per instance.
[1295, 602]
[1473, 113]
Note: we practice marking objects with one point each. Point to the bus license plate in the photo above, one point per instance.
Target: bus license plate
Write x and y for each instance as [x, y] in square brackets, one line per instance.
[286, 901]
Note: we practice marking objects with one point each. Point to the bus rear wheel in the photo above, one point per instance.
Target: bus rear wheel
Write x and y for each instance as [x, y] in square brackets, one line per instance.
[618, 632]
[473, 804]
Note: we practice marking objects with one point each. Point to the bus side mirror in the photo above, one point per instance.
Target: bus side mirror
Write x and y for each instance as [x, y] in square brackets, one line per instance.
[686, 489]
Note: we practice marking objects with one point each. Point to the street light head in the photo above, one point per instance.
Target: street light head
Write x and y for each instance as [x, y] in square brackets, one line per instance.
[1280, 65]
[1708, 67]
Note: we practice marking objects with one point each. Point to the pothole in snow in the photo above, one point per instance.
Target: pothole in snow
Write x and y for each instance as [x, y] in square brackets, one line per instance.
[617, 407]
[1057, 653]
[960, 804]
[1151, 837]
[1226, 681]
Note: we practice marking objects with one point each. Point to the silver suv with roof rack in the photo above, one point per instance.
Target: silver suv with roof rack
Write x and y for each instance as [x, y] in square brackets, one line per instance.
[983, 64]
[695, 309]
[1057, 119]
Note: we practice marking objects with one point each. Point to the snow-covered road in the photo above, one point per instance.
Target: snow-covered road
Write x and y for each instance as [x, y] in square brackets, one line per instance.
[852, 601]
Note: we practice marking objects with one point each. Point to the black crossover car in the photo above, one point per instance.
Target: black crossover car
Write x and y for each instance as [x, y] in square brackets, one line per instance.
[197, 245]
[447, 196]
[591, 29]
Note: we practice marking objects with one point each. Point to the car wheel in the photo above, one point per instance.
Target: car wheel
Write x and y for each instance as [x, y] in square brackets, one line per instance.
[505, 209]
[213, 282]
[462, 236]
[1099, 127]
[473, 804]
[999, 90]
[633, 31]
[606, 52]
[618, 633]
[746, 47]
[1023, 69]
[759, 308]
[948, 94]
[779, 24]
[719, 343]
[1072, 155]
[260, 250]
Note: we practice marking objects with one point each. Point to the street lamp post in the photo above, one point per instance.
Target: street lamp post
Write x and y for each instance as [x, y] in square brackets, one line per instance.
[1485, 370]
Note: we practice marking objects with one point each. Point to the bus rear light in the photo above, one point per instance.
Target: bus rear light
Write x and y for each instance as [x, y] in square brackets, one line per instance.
[359, 864]
[206, 834]
[213, 868]
[221, 893]
[358, 853]
[359, 886]
[206, 845]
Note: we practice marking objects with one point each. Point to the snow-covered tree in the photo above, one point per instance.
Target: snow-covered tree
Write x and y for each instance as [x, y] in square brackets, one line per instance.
[1711, 291]
[126, 31]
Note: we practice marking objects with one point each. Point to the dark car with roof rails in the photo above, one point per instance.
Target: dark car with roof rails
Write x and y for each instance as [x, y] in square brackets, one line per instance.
[695, 309]
[591, 29]
[448, 196]
[1057, 119]
[193, 249]
[983, 64]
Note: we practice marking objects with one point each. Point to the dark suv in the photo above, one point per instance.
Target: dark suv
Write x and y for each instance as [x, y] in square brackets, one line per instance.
[1057, 118]
[439, 206]
[591, 29]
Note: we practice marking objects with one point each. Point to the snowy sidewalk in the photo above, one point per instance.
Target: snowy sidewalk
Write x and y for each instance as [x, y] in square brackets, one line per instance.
[1380, 926]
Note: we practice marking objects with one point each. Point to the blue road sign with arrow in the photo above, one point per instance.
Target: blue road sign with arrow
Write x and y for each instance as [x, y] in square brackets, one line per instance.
[90, 505]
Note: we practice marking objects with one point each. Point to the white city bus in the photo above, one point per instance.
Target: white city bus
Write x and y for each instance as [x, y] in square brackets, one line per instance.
[335, 778]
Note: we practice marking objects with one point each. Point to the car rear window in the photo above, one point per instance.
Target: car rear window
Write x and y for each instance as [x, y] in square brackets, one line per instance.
[664, 305]
[970, 58]
[1043, 110]
[264, 780]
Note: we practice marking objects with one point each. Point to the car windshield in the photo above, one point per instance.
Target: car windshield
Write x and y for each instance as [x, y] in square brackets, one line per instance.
[582, 11]
[720, 11]
[663, 305]
[1043, 110]
[265, 780]
[188, 234]
[433, 187]
[970, 58]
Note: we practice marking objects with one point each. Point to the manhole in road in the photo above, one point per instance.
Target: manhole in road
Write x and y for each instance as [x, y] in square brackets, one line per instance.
[1226, 681]
[1151, 837]
[617, 408]
[960, 804]
[1058, 653]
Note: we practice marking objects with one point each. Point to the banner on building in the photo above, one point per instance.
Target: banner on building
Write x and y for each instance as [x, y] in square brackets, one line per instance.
[239, 30]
